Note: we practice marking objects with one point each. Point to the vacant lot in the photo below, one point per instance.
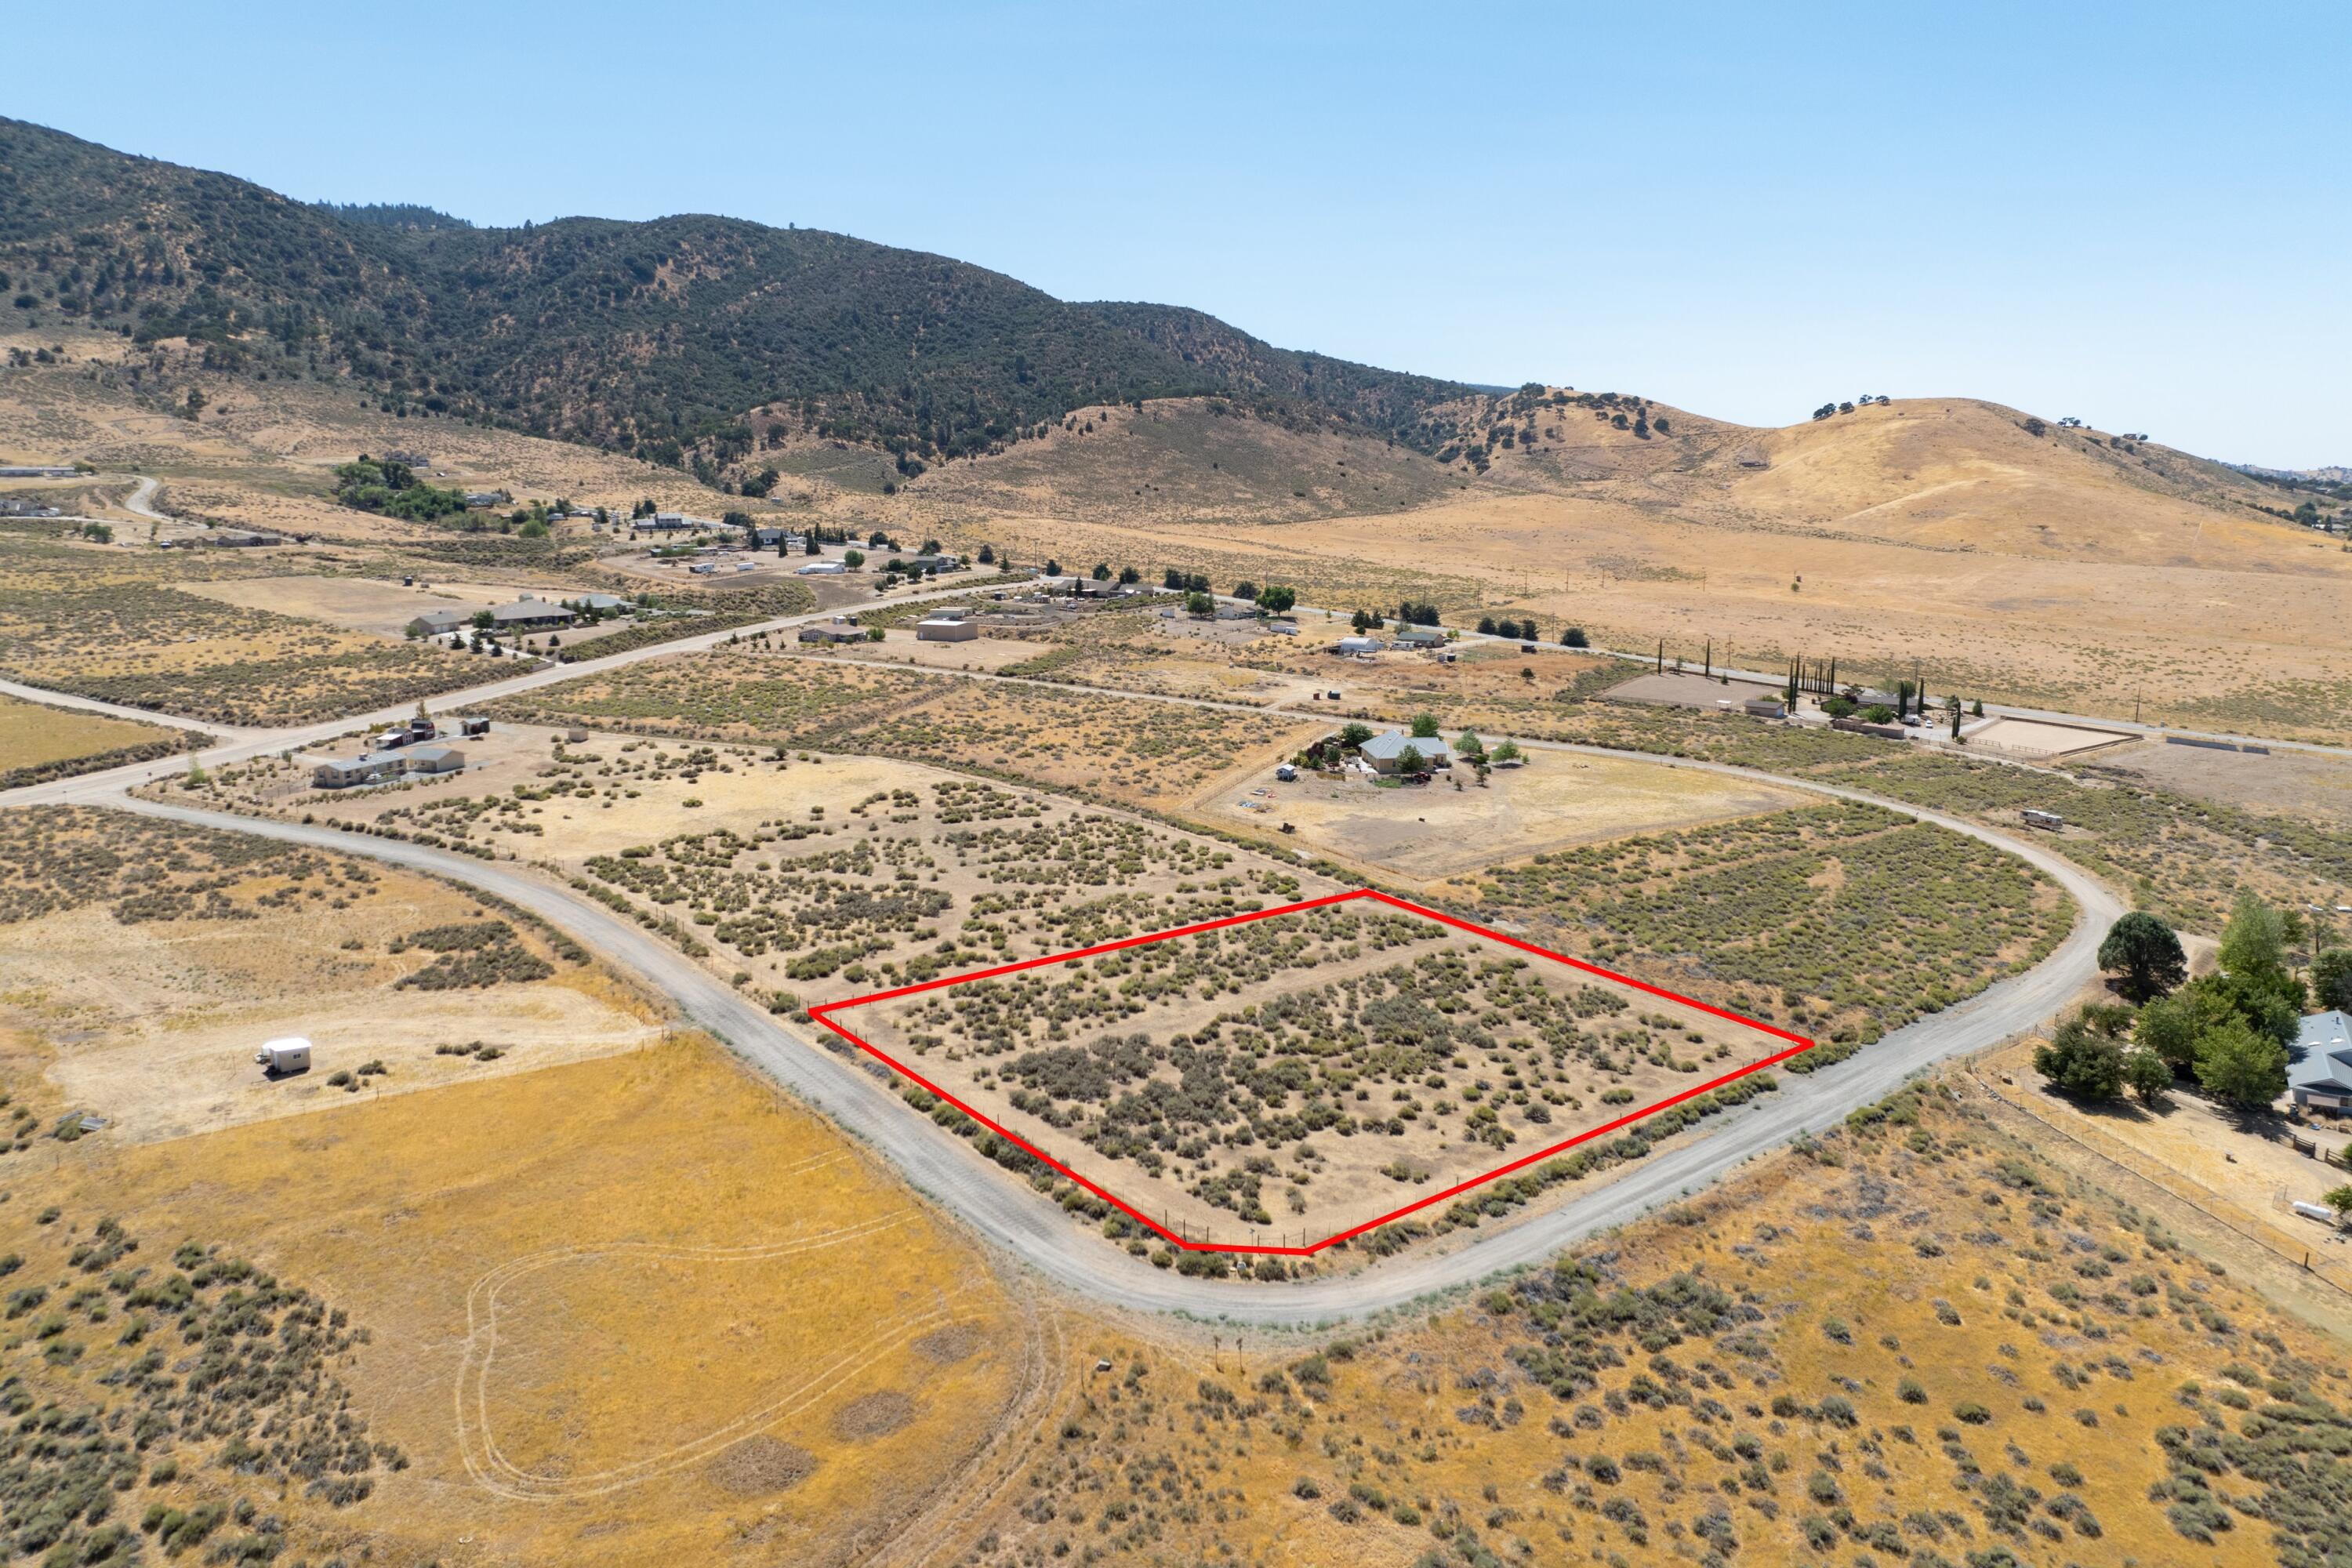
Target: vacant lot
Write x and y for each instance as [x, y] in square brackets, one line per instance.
[1840, 921]
[1122, 749]
[130, 634]
[151, 960]
[616, 1312]
[1913, 1342]
[1303, 1074]
[2297, 784]
[1426, 833]
[38, 741]
[372, 606]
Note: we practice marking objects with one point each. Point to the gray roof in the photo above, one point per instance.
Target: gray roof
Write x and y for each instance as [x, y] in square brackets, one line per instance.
[2321, 1056]
[1388, 746]
[525, 610]
[435, 754]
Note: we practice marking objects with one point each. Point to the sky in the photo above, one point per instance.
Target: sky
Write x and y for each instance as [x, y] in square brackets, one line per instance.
[2139, 215]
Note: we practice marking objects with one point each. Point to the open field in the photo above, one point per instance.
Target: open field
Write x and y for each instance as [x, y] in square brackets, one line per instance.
[1435, 831]
[1913, 1341]
[1840, 921]
[38, 741]
[1123, 749]
[1279, 1069]
[609, 1311]
[2040, 739]
[2296, 782]
[153, 960]
[118, 626]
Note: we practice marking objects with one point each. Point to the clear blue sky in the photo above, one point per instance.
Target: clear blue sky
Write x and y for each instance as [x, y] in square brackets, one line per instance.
[2139, 214]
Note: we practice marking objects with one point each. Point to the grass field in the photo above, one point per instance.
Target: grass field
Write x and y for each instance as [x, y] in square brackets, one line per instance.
[605, 1312]
[38, 741]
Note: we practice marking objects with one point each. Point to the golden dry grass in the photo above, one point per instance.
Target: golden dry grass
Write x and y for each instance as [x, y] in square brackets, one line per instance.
[620, 1310]
[34, 734]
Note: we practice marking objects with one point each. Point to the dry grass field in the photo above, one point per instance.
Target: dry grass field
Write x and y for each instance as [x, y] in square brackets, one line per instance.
[38, 741]
[121, 626]
[151, 960]
[1913, 1341]
[612, 1311]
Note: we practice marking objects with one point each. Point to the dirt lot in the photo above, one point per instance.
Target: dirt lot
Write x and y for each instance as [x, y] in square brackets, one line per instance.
[1688, 689]
[1430, 832]
[149, 1006]
[2296, 783]
[901, 644]
[2037, 738]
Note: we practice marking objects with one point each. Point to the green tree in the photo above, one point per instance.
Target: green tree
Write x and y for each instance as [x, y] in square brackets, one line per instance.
[1424, 726]
[2082, 1059]
[2340, 1200]
[1411, 761]
[1508, 751]
[853, 559]
[2241, 1066]
[2148, 1075]
[1200, 605]
[1469, 744]
[2146, 954]
[1276, 599]
[2168, 1029]
[2256, 941]
[1355, 735]
[2331, 980]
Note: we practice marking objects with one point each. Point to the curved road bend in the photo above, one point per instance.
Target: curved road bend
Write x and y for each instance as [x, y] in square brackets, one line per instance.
[1008, 1214]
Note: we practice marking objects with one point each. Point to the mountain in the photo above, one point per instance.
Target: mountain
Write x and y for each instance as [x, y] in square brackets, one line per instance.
[392, 214]
[655, 338]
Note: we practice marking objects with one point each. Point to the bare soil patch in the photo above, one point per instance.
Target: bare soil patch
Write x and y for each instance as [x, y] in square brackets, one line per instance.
[758, 1466]
[874, 1414]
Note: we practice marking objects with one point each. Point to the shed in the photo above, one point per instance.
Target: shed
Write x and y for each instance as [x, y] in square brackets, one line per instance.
[435, 760]
[822, 569]
[1356, 645]
[279, 1058]
[433, 623]
[1765, 708]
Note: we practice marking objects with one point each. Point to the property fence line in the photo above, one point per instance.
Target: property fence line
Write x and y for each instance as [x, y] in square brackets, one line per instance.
[2203, 1200]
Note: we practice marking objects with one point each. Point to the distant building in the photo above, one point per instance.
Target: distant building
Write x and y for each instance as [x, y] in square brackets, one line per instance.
[1357, 646]
[346, 773]
[279, 1058]
[1766, 708]
[438, 623]
[2320, 1063]
[434, 759]
[835, 631]
[946, 629]
[529, 612]
[822, 569]
[1385, 750]
[20, 472]
[480, 498]
[1421, 636]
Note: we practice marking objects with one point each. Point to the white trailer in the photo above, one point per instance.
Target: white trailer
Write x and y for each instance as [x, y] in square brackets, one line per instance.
[281, 1058]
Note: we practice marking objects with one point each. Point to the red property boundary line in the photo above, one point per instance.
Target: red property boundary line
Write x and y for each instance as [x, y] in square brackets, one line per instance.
[824, 1015]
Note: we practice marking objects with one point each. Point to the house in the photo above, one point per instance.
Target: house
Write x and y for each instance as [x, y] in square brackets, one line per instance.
[345, 773]
[529, 612]
[435, 760]
[1352, 646]
[927, 563]
[597, 602]
[241, 538]
[822, 569]
[439, 623]
[946, 629]
[834, 631]
[1094, 587]
[483, 497]
[1384, 751]
[1421, 636]
[21, 472]
[2320, 1063]
[1236, 612]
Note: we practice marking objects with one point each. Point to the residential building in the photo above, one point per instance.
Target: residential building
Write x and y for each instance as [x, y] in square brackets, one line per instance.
[946, 629]
[434, 759]
[835, 631]
[345, 773]
[1352, 646]
[440, 623]
[1386, 750]
[1421, 636]
[526, 612]
[2320, 1063]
